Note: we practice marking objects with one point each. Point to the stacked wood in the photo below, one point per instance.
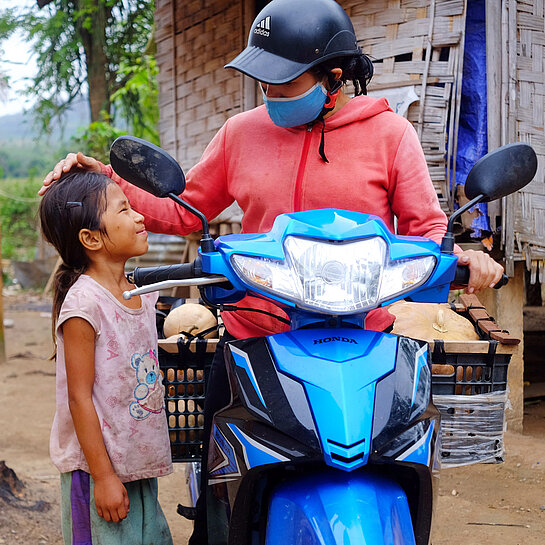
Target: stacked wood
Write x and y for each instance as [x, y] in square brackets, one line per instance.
[484, 323]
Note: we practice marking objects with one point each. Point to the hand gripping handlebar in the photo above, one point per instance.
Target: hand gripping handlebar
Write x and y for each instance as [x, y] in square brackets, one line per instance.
[461, 278]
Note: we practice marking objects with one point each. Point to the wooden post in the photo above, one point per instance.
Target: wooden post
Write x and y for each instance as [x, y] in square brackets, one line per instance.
[494, 48]
[2, 339]
[506, 305]
[508, 226]
[174, 15]
[248, 85]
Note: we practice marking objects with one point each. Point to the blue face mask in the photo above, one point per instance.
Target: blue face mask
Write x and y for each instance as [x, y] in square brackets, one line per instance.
[295, 111]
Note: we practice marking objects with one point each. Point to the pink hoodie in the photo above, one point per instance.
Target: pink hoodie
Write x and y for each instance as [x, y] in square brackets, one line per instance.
[376, 165]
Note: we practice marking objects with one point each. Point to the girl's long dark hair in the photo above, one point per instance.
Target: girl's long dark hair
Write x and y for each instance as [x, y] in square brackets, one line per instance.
[75, 202]
[356, 68]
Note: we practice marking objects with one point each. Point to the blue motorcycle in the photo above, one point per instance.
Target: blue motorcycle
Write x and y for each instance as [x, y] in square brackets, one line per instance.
[331, 434]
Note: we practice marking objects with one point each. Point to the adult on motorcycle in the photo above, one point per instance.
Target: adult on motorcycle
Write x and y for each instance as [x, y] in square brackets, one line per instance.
[310, 146]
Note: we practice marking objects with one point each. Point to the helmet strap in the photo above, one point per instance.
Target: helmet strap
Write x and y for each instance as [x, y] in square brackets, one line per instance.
[331, 99]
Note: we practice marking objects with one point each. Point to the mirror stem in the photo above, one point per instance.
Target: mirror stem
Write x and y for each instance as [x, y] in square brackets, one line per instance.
[447, 244]
[207, 242]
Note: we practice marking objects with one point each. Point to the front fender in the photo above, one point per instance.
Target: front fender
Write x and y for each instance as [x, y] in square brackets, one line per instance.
[339, 509]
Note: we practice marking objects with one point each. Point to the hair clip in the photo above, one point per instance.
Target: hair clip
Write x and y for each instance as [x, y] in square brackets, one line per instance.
[73, 204]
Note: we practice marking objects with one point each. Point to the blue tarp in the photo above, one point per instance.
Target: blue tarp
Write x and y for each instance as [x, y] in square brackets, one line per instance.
[472, 134]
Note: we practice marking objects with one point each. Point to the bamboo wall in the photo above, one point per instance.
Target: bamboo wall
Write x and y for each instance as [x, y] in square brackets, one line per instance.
[524, 121]
[420, 43]
[195, 39]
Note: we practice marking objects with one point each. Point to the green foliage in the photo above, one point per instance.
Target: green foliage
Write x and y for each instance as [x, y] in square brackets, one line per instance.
[24, 165]
[96, 139]
[19, 159]
[104, 48]
[137, 103]
[79, 45]
[7, 27]
[18, 216]
[137, 99]
[8, 23]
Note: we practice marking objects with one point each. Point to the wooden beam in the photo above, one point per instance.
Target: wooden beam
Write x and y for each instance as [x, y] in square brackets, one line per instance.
[2, 338]
[494, 48]
[249, 96]
[493, 72]
[431, 15]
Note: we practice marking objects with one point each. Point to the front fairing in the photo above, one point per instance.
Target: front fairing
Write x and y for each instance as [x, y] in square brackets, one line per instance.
[319, 400]
[341, 396]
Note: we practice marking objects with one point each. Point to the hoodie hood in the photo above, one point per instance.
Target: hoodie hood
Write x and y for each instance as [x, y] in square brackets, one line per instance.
[357, 109]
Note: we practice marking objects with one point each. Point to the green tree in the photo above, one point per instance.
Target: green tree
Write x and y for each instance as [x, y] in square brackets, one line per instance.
[86, 46]
[5, 30]
[136, 103]
[18, 216]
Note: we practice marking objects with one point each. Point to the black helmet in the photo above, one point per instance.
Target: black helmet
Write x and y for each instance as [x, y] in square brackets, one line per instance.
[290, 36]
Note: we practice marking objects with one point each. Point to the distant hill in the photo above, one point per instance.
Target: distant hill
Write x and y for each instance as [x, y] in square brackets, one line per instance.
[22, 126]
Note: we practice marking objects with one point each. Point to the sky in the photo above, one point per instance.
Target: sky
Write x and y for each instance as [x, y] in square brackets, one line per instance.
[17, 62]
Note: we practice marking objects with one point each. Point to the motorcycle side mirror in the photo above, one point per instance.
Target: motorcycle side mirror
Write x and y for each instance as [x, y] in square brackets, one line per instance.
[146, 166]
[152, 169]
[498, 174]
[501, 172]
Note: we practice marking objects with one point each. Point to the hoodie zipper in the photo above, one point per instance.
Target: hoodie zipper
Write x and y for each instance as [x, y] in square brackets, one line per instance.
[301, 169]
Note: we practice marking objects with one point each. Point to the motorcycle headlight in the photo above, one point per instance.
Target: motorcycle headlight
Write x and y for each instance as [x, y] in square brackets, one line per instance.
[403, 275]
[334, 277]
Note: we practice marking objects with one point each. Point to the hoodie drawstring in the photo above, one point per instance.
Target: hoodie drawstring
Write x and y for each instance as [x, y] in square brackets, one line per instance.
[321, 149]
[328, 106]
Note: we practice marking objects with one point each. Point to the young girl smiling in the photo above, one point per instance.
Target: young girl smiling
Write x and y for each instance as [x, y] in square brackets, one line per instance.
[109, 438]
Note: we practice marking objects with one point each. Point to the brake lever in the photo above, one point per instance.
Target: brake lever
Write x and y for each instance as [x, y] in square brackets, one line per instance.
[166, 284]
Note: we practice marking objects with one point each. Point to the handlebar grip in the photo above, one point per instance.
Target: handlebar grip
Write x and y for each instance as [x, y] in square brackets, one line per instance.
[142, 276]
[501, 282]
[461, 278]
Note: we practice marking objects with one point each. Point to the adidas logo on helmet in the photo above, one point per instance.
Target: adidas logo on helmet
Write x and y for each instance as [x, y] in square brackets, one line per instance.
[263, 27]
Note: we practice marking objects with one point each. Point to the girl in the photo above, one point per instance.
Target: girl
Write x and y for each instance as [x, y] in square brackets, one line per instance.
[109, 438]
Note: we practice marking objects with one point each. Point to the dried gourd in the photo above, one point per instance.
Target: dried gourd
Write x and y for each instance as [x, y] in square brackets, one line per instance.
[190, 319]
[430, 321]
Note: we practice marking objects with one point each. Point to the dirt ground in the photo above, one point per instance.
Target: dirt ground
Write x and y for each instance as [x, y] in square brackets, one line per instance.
[476, 505]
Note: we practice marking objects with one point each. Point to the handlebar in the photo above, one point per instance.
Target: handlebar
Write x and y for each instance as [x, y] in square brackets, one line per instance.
[157, 278]
[461, 278]
[142, 276]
